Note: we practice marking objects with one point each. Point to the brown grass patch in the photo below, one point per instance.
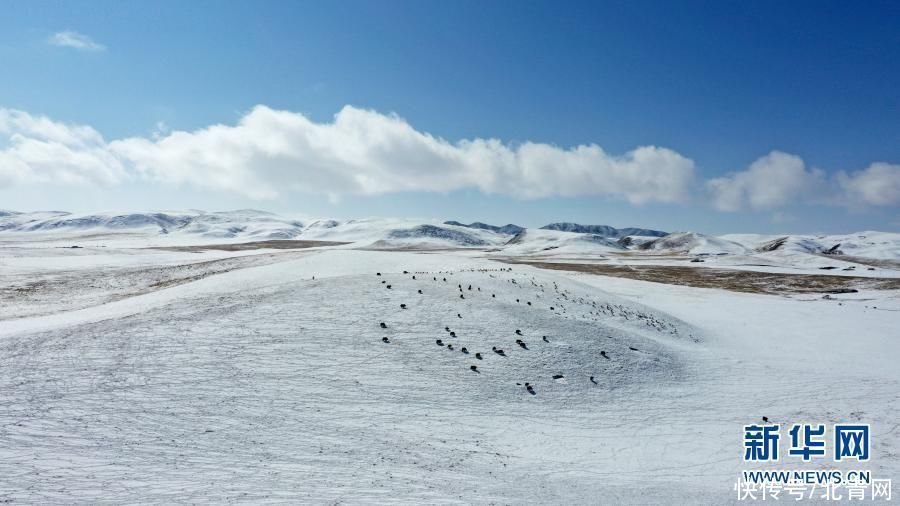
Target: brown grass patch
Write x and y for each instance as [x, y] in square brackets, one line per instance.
[726, 279]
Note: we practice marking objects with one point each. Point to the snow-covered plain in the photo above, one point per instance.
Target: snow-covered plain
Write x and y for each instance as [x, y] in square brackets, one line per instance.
[131, 373]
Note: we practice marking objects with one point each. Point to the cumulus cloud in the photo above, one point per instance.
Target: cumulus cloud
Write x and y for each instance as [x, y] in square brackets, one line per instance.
[40, 150]
[780, 180]
[877, 185]
[773, 181]
[270, 153]
[360, 152]
[365, 152]
[75, 40]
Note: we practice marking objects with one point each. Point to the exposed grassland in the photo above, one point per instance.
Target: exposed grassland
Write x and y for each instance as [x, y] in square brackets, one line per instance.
[726, 279]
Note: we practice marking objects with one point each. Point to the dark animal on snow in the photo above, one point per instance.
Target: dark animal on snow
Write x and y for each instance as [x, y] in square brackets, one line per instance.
[498, 352]
[474, 368]
[464, 350]
[518, 332]
[385, 339]
[383, 325]
[557, 376]
[593, 380]
[478, 356]
[545, 339]
[402, 306]
[439, 342]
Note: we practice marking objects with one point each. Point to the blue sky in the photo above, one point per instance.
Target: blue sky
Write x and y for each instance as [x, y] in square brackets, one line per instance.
[718, 86]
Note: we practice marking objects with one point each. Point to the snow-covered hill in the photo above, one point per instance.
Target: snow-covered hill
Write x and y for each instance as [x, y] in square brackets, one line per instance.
[694, 244]
[868, 244]
[201, 227]
[402, 233]
[247, 223]
[505, 229]
[135, 369]
[553, 242]
[157, 376]
[603, 230]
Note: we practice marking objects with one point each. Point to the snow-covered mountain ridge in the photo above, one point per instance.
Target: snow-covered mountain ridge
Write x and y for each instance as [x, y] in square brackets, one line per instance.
[195, 226]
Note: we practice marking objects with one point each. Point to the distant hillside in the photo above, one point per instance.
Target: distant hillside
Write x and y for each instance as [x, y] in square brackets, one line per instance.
[695, 244]
[433, 232]
[248, 223]
[603, 230]
[505, 229]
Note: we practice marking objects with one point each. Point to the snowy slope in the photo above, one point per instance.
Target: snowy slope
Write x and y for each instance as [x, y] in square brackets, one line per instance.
[509, 228]
[603, 230]
[244, 225]
[869, 244]
[200, 227]
[553, 242]
[694, 244]
[248, 224]
[15, 221]
[265, 384]
[400, 233]
[152, 376]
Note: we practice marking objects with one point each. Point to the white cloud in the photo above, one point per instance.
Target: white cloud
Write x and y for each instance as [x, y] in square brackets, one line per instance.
[877, 185]
[780, 180]
[40, 150]
[75, 40]
[772, 181]
[365, 153]
[271, 153]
